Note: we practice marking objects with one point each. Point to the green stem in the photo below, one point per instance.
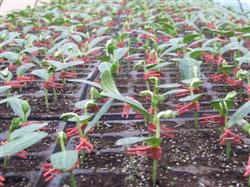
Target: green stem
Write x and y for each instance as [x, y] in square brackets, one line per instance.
[145, 122]
[228, 150]
[79, 125]
[62, 145]
[5, 162]
[72, 180]
[248, 182]
[8, 95]
[154, 171]
[55, 94]
[46, 100]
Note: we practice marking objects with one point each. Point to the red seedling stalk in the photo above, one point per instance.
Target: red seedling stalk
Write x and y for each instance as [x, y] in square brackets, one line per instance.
[126, 110]
[2, 179]
[247, 171]
[227, 138]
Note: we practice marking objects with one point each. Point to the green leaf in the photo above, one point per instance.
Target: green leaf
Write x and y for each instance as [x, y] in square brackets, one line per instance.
[84, 103]
[61, 66]
[191, 37]
[242, 112]
[26, 130]
[108, 83]
[157, 66]
[133, 103]
[11, 56]
[96, 41]
[64, 160]
[105, 66]
[169, 85]
[174, 91]
[16, 106]
[3, 89]
[244, 29]
[41, 73]
[21, 143]
[94, 84]
[132, 140]
[197, 52]
[231, 95]
[83, 118]
[98, 116]
[193, 97]
[21, 70]
[119, 54]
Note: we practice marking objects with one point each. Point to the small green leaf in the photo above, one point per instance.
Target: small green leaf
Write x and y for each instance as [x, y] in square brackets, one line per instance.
[64, 160]
[86, 82]
[191, 37]
[26, 130]
[132, 140]
[4, 89]
[16, 106]
[11, 56]
[133, 103]
[157, 66]
[21, 70]
[193, 97]
[107, 83]
[169, 85]
[98, 116]
[41, 73]
[85, 103]
[96, 41]
[242, 112]
[174, 91]
[83, 118]
[21, 143]
[119, 54]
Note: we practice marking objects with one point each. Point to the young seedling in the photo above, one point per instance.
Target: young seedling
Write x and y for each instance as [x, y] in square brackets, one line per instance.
[81, 121]
[114, 55]
[153, 150]
[49, 82]
[20, 138]
[222, 106]
[194, 85]
[61, 162]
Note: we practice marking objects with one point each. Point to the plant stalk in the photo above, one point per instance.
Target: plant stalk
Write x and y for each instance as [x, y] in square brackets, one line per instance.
[72, 180]
[5, 162]
[154, 171]
[228, 150]
[55, 94]
[46, 100]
